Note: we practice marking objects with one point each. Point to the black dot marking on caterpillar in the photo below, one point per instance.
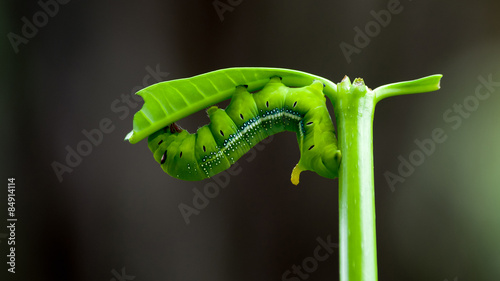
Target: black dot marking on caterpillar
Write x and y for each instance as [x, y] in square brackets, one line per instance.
[309, 123]
[163, 157]
[241, 116]
[311, 147]
[246, 86]
[267, 103]
[160, 142]
[222, 133]
[204, 149]
[295, 104]
[180, 155]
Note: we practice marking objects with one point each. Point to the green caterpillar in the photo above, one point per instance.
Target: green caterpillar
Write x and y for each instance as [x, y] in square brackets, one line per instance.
[282, 100]
[249, 119]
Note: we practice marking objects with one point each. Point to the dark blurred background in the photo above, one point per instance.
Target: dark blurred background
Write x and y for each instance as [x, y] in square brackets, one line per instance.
[115, 215]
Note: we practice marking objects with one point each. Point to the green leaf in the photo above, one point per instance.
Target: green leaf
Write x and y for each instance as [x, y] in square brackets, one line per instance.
[422, 85]
[170, 101]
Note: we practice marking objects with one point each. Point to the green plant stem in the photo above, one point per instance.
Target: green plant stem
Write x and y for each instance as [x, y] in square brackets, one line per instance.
[354, 109]
[357, 239]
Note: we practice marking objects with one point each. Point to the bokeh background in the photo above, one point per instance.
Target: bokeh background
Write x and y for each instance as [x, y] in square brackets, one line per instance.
[116, 215]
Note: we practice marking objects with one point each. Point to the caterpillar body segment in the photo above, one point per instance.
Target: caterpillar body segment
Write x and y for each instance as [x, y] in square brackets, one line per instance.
[249, 119]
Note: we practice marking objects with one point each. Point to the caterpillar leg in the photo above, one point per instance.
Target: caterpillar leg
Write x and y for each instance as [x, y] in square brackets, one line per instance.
[296, 174]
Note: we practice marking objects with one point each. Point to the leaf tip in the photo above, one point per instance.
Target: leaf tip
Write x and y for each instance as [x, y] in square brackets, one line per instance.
[130, 137]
